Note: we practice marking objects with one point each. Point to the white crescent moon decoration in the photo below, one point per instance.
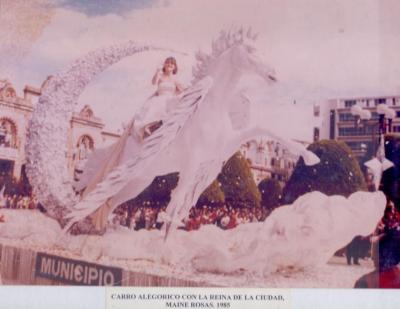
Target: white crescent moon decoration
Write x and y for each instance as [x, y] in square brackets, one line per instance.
[50, 123]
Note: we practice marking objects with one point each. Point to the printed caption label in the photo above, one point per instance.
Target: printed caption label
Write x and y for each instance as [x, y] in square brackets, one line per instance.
[160, 298]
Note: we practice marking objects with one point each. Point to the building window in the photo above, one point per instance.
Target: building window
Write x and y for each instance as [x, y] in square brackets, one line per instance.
[360, 146]
[369, 130]
[374, 116]
[316, 134]
[316, 111]
[346, 117]
[380, 101]
[349, 103]
[85, 146]
[8, 133]
[359, 131]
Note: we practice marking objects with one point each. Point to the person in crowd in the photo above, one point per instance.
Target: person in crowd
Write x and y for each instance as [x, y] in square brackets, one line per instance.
[14, 202]
[31, 204]
[386, 257]
[20, 202]
[139, 218]
[160, 218]
[225, 222]
[148, 218]
[8, 202]
[390, 220]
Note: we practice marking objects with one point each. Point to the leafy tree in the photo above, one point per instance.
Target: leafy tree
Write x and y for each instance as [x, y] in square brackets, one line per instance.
[337, 173]
[271, 193]
[24, 187]
[212, 196]
[158, 193]
[238, 184]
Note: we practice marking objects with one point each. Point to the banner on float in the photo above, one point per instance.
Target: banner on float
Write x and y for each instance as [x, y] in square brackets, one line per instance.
[76, 272]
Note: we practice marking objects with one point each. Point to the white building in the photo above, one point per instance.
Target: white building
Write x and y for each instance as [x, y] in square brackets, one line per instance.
[269, 159]
[86, 130]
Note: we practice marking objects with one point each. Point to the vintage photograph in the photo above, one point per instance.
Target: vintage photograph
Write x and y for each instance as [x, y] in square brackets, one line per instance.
[200, 143]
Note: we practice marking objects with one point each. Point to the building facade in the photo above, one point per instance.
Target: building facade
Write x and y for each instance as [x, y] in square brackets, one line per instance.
[360, 135]
[86, 130]
[269, 159]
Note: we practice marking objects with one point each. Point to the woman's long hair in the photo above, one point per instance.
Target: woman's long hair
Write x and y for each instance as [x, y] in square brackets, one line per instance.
[173, 61]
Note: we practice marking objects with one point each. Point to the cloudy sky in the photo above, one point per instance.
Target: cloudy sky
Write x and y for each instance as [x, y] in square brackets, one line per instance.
[318, 48]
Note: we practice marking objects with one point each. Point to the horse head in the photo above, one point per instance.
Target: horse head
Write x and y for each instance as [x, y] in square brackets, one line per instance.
[233, 51]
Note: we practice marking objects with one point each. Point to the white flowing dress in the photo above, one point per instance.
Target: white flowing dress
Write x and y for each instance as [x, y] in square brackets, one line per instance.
[157, 107]
[103, 161]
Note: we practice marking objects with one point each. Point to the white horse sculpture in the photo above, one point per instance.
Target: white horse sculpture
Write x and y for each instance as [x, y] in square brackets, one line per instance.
[211, 120]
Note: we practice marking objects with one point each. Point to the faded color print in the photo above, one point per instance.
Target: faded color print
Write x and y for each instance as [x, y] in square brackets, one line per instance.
[281, 119]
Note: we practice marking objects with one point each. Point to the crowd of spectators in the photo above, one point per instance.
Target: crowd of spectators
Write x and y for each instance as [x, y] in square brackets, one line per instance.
[225, 217]
[136, 218]
[17, 194]
[19, 202]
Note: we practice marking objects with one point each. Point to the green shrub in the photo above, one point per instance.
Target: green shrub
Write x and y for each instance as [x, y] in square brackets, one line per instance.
[212, 196]
[337, 173]
[238, 184]
[271, 193]
[158, 193]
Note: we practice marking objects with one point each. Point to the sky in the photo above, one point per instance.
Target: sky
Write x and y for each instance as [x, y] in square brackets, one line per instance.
[103, 7]
[318, 48]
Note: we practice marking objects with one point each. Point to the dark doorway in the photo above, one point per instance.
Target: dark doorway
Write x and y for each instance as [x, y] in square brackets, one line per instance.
[6, 172]
[6, 168]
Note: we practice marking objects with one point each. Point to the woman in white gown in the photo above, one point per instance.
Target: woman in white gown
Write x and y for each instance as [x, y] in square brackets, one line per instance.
[156, 108]
[148, 119]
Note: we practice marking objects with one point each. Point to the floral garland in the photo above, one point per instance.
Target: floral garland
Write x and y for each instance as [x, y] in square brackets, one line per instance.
[48, 129]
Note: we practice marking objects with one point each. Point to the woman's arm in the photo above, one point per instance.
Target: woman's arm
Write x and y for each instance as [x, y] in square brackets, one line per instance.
[179, 87]
[156, 77]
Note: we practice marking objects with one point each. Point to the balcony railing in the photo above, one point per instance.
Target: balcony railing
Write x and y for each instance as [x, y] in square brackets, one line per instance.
[8, 152]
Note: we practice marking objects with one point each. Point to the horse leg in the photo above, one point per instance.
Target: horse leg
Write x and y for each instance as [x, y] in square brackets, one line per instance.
[178, 200]
[205, 175]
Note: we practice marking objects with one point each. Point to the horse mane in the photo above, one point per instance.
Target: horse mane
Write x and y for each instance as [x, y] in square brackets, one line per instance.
[224, 41]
